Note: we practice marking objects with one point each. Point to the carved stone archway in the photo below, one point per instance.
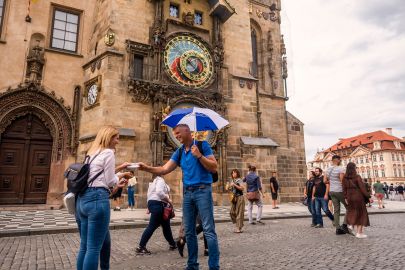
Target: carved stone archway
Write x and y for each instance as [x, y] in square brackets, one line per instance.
[57, 117]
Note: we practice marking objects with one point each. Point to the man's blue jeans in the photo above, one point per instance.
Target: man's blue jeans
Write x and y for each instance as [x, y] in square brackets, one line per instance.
[93, 218]
[199, 201]
[321, 203]
[311, 209]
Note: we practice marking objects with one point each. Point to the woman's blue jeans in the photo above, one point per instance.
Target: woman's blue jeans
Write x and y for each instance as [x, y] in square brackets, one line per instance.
[93, 218]
[199, 201]
[311, 209]
[322, 203]
[156, 220]
[131, 196]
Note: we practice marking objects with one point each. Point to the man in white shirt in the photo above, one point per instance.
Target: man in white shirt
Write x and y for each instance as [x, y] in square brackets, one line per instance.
[334, 175]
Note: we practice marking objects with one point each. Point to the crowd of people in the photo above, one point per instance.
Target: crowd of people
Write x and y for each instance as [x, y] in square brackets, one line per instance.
[324, 191]
[341, 186]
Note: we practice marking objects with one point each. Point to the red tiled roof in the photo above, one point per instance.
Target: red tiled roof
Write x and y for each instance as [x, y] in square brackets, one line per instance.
[367, 140]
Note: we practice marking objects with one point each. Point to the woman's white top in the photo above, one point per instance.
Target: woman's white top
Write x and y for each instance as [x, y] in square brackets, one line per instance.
[104, 161]
[158, 190]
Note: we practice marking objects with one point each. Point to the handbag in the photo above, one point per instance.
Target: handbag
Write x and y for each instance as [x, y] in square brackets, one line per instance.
[253, 195]
[168, 212]
[366, 199]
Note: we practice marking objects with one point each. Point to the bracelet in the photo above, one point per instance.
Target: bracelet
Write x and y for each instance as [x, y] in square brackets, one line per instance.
[200, 157]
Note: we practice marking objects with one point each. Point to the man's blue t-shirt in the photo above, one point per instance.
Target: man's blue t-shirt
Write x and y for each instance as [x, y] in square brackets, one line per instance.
[194, 172]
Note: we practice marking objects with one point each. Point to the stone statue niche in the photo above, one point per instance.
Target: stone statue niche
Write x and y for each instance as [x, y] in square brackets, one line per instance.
[35, 59]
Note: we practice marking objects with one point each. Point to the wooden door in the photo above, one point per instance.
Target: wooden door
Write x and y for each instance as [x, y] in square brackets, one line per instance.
[26, 148]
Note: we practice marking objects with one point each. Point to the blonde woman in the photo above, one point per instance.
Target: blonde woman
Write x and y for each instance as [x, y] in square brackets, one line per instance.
[237, 212]
[93, 206]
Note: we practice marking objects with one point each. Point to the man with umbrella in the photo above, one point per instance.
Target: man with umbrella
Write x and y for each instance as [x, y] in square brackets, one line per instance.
[197, 167]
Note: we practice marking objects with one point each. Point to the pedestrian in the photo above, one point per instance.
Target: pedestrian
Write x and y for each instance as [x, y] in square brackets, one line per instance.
[334, 177]
[93, 206]
[181, 241]
[368, 189]
[356, 197]
[274, 190]
[379, 193]
[320, 198]
[254, 194]
[386, 188]
[197, 170]
[309, 185]
[158, 197]
[237, 212]
[392, 191]
[401, 192]
[131, 192]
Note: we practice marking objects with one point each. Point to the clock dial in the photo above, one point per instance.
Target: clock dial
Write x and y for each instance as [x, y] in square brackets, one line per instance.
[188, 62]
[92, 94]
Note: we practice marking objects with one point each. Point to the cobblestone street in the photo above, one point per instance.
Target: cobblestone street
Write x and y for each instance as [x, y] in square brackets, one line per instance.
[279, 244]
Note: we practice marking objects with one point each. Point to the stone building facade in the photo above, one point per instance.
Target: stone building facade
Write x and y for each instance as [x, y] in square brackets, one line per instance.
[378, 155]
[69, 67]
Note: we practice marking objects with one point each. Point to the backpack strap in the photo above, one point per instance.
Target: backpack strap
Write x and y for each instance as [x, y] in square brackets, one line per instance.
[180, 149]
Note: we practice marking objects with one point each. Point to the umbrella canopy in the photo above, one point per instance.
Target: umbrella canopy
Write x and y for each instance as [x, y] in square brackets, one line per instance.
[198, 119]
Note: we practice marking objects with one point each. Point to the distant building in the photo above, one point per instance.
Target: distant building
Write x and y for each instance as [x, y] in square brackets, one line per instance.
[378, 155]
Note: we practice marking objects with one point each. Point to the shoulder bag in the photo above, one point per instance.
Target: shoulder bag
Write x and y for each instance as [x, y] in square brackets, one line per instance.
[168, 210]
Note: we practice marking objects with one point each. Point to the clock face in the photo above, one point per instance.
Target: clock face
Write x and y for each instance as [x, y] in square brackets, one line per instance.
[188, 62]
[92, 94]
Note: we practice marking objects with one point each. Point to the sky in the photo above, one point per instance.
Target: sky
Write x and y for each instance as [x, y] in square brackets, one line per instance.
[346, 66]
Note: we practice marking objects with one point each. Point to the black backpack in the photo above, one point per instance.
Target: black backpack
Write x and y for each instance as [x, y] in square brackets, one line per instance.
[199, 145]
[77, 176]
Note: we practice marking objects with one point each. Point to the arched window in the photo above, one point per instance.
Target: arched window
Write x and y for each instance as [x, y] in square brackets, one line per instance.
[254, 53]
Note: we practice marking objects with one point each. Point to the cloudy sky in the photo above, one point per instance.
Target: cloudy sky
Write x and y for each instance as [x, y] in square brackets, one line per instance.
[346, 67]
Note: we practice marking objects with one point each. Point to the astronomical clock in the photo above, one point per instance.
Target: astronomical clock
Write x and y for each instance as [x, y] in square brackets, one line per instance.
[188, 62]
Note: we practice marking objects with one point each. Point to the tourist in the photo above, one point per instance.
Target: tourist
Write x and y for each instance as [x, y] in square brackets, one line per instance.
[197, 192]
[237, 212]
[158, 197]
[386, 188]
[320, 198]
[309, 185]
[274, 190]
[368, 189]
[254, 195]
[379, 193]
[334, 177]
[391, 191]
[401, 192]
[93, 206]
[356, 195]
[131, 192]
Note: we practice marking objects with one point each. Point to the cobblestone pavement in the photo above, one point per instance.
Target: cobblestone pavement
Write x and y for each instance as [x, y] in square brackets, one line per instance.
[279, 244]
[30, 222]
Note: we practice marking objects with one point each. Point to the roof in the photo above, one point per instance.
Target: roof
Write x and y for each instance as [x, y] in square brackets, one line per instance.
[367, 139]
[258, 141]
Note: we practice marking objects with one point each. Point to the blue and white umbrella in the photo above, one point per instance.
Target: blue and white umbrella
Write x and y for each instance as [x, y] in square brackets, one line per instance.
[198, 119]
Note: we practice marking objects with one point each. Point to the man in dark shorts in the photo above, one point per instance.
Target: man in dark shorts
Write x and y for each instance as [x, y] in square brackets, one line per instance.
[274, 189]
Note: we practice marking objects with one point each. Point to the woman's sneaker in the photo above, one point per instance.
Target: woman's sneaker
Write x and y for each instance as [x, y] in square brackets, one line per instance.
[361, 235]
[142, 251]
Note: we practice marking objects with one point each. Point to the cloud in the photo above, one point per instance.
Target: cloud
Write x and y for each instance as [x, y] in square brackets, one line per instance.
[347, 75]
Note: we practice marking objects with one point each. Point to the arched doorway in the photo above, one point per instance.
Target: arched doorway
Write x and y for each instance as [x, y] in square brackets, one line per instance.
[26, 151]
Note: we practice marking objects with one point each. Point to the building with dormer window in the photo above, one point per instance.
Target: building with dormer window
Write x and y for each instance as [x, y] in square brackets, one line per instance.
[378, 155]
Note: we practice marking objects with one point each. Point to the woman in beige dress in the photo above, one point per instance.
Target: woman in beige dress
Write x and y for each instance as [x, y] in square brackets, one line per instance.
[237, 212]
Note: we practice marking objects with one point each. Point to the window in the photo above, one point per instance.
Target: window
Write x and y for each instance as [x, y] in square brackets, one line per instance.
[395, 172]
[2, 8]
[402, 157]
[393, 156]
[254, 53]
[65, 29]
[382, 173]
[397, 157]
[198, 18]
[138, 66]
[361, 160]
[174, 10]
[374, 158]
[367, 159]
[381, 157]
[368, 174]
[399, 172]
[376, 173]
